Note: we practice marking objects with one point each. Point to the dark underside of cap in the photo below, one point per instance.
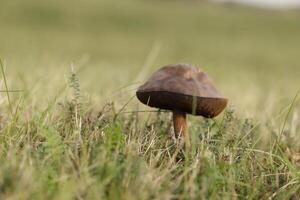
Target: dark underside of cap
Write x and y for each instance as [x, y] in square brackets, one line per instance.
[204, 106]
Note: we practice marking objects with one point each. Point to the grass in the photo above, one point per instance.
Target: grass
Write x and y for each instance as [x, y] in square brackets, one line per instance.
[76, 131]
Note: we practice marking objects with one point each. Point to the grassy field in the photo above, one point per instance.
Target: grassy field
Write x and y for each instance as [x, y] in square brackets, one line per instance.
[76, 131]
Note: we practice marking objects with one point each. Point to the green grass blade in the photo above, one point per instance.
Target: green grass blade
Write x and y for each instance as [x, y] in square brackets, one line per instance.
[6, 86]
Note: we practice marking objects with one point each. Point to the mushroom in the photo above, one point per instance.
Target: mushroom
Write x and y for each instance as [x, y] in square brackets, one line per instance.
[183, 89]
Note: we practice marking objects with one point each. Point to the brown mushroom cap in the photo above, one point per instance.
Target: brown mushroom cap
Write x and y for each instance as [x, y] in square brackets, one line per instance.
[184, 88]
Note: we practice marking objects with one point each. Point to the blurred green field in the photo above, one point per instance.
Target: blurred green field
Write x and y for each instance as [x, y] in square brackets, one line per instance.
[251, 54]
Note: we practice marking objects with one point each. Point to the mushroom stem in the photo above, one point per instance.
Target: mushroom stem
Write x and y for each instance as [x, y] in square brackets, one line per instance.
[180, 126]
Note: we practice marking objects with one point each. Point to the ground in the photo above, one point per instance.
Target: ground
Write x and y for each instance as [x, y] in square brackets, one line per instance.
[76, 130]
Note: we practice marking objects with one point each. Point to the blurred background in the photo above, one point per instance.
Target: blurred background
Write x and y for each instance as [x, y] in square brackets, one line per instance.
[278, 4]
[251, 52]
